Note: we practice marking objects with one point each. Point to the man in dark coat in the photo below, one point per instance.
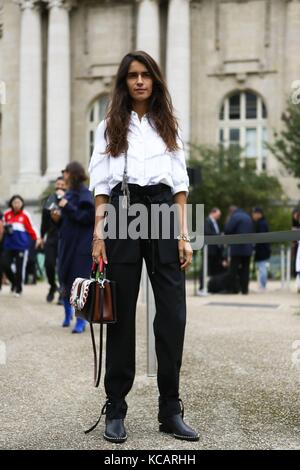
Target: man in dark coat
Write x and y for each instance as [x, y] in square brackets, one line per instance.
[240, 255]
[50, 229]
[262, 250]
[295, 226]
[214, 252]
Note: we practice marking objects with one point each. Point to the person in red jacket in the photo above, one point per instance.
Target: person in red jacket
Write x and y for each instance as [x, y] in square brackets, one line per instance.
[18, 230]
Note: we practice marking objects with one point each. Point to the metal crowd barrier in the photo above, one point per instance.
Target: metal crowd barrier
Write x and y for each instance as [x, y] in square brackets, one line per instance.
[245, 238]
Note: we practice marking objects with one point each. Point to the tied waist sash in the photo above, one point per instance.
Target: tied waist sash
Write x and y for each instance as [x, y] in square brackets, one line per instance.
[146, 195]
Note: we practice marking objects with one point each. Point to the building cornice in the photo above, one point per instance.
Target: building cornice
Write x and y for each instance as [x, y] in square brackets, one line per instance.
[67, 4]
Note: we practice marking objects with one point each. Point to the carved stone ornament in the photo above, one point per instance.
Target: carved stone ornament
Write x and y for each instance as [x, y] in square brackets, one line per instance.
[67, 4]
[24, 4]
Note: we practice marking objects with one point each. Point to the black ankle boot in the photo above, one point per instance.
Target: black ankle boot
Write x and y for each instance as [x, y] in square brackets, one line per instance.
[114, 426]
[115, 430]
[177, 427]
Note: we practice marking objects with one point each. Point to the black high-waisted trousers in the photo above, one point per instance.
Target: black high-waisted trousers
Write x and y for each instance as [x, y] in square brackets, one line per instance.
[125, 258]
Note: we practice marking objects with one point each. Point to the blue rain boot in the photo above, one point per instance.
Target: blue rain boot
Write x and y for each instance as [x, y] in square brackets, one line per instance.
[80, 326]
[68, 312]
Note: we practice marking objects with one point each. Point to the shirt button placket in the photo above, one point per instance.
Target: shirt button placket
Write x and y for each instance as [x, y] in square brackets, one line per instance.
[144, 149]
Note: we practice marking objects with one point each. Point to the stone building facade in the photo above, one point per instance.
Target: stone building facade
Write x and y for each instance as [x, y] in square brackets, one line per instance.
[229, 65]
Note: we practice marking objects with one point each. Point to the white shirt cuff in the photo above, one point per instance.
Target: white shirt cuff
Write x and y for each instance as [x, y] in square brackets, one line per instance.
[179, 188]
[102, 189]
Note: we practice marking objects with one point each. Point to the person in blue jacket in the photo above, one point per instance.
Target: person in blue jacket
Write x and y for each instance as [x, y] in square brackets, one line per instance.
[75, 217]
[240, 255]
[262, 250]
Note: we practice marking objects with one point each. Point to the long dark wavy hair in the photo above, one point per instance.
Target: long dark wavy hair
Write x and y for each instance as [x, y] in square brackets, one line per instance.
[77, 175]
[160, 109]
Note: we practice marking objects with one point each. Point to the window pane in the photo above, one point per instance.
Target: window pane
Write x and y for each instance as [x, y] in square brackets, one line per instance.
[102, 106]
[234, 107]
[92, 115]
[91, 137]
[251, 149]
[91, 142]
[221, 136]
[264, 139]
[221, 117]
[264, 148]
[234, 136]
[251, 106]
[264, 110]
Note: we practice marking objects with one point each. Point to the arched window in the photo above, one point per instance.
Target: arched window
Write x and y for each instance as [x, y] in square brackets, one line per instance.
[95, 115]
[243, 122]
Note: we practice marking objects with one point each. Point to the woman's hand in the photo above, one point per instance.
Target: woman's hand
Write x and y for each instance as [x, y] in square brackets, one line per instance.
[55, 215]
[225, 263]
[39, 243]
[99, 251]
[63, 202]
[185, 254]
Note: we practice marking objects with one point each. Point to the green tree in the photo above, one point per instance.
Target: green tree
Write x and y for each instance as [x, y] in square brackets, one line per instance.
[229, 179]
[286, 145]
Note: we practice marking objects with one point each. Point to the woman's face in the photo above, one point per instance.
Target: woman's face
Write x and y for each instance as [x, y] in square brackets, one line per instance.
[16, 204]
[296, 216]
[139, 81]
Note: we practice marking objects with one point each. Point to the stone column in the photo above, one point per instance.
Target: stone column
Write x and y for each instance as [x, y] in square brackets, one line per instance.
[148, 31]
[291, 73]
[178, 61]
[58, 87]
[292, 65]
[30, 99]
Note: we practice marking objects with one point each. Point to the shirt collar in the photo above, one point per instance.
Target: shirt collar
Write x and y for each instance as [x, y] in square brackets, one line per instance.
[135, 115]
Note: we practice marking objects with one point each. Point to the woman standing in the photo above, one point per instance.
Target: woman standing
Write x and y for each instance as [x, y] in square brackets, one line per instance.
[138, 155]
[76, 220]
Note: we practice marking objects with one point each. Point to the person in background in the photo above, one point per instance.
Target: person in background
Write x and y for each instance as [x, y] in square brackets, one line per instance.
[297, 268]
[18, 230]
[215, 262]
[295, 226]
[31, 265]
[75, 218]
[296, 218]
[239, 222]
[50, 230]
[262, 250]
[1, 247]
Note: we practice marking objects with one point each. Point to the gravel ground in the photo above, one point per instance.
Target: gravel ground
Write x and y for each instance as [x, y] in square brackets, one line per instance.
[240, 377]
